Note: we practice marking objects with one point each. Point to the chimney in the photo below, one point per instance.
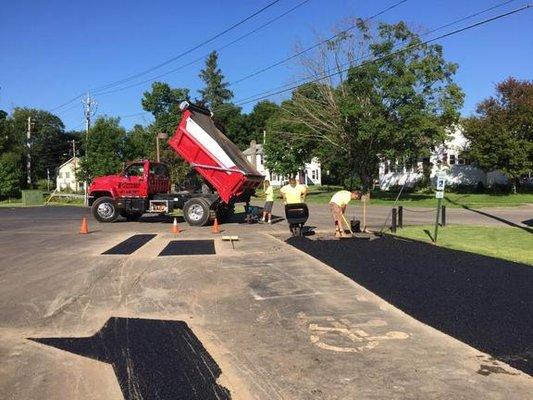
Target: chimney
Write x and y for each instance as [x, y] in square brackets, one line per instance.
[253, 147]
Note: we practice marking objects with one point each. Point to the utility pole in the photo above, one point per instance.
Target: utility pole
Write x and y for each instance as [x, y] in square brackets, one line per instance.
[89, 110]
[160, 135]
[75, 166]
[28, 145]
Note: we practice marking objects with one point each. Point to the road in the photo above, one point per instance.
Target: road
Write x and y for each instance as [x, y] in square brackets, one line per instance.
[377, 216]
[261, 321]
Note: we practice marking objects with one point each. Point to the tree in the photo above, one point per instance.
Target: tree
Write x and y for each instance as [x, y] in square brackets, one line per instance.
[216, 92]
[10, 174]
[287, 145]
[259, 117]
[105, 149]
[396, 106]
[49, 143]
[139, 144]
[233, 124]
[501, 135]
[163, 102]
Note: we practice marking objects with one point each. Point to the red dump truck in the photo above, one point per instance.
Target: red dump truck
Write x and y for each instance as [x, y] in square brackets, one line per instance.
[220, 177]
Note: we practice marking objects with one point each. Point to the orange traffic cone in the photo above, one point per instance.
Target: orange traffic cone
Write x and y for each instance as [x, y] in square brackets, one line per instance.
[216, 228]
[175, 227]
[84, 226]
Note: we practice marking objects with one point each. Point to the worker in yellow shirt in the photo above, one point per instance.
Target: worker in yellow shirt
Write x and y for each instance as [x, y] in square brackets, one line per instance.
[293, 193]
[269, 202]
[338, 204]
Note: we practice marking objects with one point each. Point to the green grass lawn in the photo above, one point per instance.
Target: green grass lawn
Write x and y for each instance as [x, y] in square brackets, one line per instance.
[322, 195]
[509, 243]
[54, 202]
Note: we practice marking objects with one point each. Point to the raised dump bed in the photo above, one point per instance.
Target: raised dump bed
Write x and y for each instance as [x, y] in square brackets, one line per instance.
[220, 162]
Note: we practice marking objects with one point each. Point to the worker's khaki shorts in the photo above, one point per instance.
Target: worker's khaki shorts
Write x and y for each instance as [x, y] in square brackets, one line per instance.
[336, 211]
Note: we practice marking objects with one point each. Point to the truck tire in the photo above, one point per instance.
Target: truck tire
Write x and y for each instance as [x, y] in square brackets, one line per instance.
[105, 209]
[196, 212]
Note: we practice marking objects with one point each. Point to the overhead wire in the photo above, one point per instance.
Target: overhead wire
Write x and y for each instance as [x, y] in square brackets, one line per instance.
[219, 49]
[172, 59]
[343, 32]
[455, 22]
[454, 32]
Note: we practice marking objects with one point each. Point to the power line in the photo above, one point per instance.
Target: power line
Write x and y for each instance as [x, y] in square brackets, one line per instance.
[190, 50]
[172, 59]
[269, 22]
[276, 64]
[488, 20]
[454, 22]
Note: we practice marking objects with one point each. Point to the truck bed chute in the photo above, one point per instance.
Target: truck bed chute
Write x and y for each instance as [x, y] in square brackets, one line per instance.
[199, 142]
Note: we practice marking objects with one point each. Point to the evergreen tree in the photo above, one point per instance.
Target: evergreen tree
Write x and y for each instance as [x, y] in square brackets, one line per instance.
[216, 91]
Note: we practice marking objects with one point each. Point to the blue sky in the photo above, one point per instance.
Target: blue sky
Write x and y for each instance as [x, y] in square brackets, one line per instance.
[53, 50]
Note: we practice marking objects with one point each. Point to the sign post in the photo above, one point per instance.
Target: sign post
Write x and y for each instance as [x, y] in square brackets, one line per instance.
[439, 195]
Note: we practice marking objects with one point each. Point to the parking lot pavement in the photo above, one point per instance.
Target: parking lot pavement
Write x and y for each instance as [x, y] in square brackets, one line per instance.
[261, 321]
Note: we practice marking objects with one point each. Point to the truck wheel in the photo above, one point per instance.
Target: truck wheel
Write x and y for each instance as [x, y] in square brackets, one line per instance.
[196, 212]
[105, 209]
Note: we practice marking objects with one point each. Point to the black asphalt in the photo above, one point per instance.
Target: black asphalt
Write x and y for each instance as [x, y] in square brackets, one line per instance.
[188, 247]
[482, 301]
[152, 359]
[130, 245]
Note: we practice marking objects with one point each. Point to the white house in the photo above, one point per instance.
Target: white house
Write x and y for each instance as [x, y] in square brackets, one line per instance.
[66, 176]
[448, 158]
[310, 173]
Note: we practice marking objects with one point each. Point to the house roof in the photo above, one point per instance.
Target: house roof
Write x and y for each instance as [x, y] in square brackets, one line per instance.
[69, 161]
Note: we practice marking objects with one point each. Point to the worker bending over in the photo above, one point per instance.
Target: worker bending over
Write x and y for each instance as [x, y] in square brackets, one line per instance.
[293, 193]
[338, 204]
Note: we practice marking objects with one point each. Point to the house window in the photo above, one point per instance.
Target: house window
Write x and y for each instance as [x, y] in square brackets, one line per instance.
[461, 160]
[261, 159]
[60, 175]
[445, 158]
[313, 174]
[67, 175]
[452, 159]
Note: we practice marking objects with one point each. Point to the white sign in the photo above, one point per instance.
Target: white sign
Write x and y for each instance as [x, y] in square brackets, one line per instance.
[441, 183]
[439, 194]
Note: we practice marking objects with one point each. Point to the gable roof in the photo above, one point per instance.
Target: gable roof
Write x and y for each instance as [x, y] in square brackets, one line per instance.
[68, 162]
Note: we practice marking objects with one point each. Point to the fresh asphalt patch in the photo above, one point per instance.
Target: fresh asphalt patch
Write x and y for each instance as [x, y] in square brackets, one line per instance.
[152, 359]
[131, 244]
[188, 248]
[482, 301]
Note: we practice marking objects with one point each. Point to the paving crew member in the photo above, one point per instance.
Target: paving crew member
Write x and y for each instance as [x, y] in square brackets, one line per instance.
[338, 204]
[293, 193]
[269, 202]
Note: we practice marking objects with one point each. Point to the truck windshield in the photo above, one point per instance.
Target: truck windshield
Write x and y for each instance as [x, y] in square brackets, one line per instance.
[134, 170]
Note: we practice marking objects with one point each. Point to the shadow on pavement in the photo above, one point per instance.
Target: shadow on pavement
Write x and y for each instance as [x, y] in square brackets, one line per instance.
[495, 217]
[482, 301]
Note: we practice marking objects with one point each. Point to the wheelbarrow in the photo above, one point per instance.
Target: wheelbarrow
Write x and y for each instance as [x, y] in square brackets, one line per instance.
[297, 215]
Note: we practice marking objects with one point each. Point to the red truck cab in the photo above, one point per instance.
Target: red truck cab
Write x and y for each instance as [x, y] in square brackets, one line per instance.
[140, 180]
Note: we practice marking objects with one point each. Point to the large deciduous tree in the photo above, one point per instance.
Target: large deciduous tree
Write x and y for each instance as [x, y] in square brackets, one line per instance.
[215, 92]
[105, 149]
[163, 102]
[378, 93]
[501, 134]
